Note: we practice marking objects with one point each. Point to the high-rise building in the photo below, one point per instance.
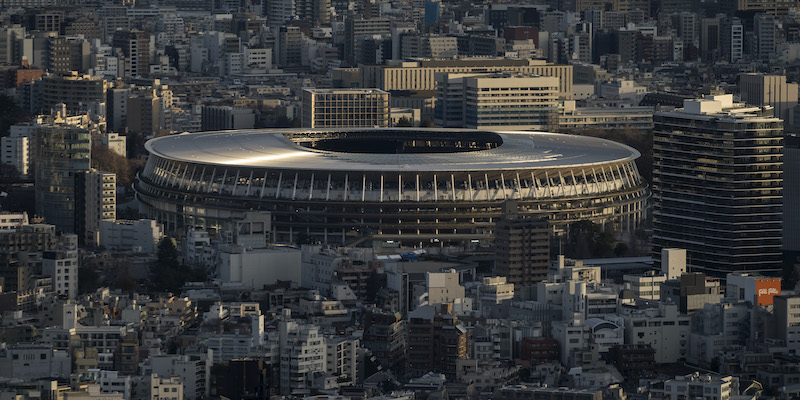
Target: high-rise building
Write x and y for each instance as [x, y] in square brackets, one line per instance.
[421, 75]
[765, 31]
[791, 200]
[290, 48]
[710, 39]
[522, 248]
[95, 201]
[135, 46]
[345, 108]
[384, 335]
[16, 152]
[511, 102]
[736, 40]
[717, 185]
[67, 54]
[770, 90]
[61, 151]
[437, 340]
[787, 319]
[316, 11]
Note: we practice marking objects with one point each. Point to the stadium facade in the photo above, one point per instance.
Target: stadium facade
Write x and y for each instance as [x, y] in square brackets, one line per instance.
[418, 186]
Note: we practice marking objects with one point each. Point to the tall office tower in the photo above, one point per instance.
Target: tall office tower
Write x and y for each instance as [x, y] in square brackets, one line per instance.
[355, 29]
[791, 202]
[345, 108]
[764, 29]
[61, 151]
[68, 54]
[522, 247]
[710, 39]
[717, 185]
[770, 90]
[72, 90]
[135, 46]
[95, 201]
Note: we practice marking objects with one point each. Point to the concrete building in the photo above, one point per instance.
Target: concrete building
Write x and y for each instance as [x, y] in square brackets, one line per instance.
[61, 152]
[429, 46]
[357, 28]
[116, 143]
[15, 151]
[144, 114]
[140, 236]
[346, 108]
[302, 353]
[72, 90]
[579, 118]
[692, 292]
[770, 90]
[30, 362]
[695, 209]
[647, 286]
[421, 75]
[511, 102]
[342, 359]
[95, 201]
[257, 267]
[787, 318]
[495, 290]
[705, 386]
[165, 388]
[218, 118]
[791, 196]
[193, 370]
[757, 289]
[765, 30]
[62, 267]
[523, 250]
[443, 287]
[437, 340]
[135, 47]
[664, 329]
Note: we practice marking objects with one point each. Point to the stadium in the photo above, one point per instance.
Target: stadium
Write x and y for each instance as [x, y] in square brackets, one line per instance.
[413, 185]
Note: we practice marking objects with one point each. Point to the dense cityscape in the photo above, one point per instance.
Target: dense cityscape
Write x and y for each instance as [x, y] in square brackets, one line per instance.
[399, 199]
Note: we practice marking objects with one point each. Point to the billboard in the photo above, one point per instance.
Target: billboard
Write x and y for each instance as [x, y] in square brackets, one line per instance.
[766, 289]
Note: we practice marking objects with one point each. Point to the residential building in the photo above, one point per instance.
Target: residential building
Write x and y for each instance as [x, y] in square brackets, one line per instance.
[765, 30]
[523, 250]
[302, 353]
[436, 341]
[384, 336]
[664, 329]
[787, 318]
[711, 387]
[72, 90]
[62, 267]
[135, 47]
[96, 201]
[165, 388]
[701, 153]
[343, 108]
[218, 118]
[61, 152]
[16, 151]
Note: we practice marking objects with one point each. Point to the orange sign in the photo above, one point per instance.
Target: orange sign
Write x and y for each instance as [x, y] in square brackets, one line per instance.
[766, 289]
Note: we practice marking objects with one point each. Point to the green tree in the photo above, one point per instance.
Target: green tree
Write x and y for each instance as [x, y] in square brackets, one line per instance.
[403, 122]
[109, 161]
[169, 274]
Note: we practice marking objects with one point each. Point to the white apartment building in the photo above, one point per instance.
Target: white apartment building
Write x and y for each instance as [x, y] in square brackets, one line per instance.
[166, 388]
[647, 286]
[111, 382]
[696, 386]
[115, 143]
[140, 236]
[663, 328]
[318, 266]
[11, 221]
[98, 192]
[302, 353]
[443, 287]
[341, 359]
[62, 267]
